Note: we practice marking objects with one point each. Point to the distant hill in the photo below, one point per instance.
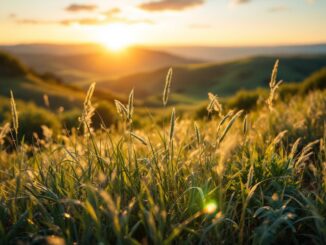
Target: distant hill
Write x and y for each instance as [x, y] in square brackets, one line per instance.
[223, 54]
[29, 87]
[192, 82]
[78, 63]
[52, 49]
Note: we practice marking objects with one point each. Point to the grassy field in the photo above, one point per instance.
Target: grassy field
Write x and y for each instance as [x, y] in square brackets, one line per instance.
[256, 178]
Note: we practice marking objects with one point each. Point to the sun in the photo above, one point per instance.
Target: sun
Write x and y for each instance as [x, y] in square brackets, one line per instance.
[115, 37]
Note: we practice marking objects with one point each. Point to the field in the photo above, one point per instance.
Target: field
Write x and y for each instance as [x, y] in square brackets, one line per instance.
[236, 176]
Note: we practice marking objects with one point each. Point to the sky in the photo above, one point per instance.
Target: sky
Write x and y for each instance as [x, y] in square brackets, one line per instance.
[119, 23]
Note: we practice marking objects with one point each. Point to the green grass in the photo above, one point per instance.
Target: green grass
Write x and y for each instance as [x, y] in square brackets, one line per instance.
[236, 179]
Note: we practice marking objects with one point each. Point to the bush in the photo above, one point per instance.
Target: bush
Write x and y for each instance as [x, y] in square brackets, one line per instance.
[69, 119]
[316, 81]
[246, 100]
[31, 118]
[104, 115]
[288, 90]
[10, 66]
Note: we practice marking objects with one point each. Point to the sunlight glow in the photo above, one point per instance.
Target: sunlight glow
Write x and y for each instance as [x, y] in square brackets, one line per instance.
[115, 37]
[210, 208]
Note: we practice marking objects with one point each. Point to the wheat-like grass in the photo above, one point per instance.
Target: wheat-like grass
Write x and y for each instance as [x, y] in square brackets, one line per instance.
[88, 110]
[130, 107]
[273, 86]
[198, 135]
[4, 130]
[214, 104]
[229, 125]
[167, 86]
[245, 125]
[143, 141]
[14, 113]
[46, 100]
[172, 124]
[121, 109]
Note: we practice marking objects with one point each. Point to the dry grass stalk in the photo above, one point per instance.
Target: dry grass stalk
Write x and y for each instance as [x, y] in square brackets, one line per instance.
[167, 86]
[88, 111]
[14, 113]
[273, 86]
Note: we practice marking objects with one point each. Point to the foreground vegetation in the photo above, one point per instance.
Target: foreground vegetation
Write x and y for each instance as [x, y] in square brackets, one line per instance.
[237, 178]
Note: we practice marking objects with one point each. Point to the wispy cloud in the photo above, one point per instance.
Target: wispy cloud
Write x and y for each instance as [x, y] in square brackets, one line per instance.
[237, 2]
[103, 21]
[12, 16]
[112, 12]
[279, 8]
[99, 20]
[240, 1]
[110, 16]
[34, 21]
[81, 7]
[163, 5]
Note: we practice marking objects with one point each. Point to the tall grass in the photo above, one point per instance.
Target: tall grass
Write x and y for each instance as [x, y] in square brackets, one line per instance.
[232, 180]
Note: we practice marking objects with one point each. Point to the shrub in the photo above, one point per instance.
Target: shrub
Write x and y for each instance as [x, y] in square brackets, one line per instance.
[69, 119]
[10, 66]
[288, 90]
[31, 118]
[246, 100]
[105, 115]
[316, 81]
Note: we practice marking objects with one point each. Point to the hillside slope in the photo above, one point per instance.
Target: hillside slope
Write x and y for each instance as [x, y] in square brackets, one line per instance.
[80, 64]
[224, 79]
[29, 87]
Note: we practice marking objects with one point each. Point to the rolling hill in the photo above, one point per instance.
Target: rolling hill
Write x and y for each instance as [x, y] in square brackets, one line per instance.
[29, 87]
[191, 82]
[85, 63]
[223, 54]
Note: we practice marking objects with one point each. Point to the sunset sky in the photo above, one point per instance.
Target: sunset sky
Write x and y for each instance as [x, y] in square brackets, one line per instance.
[118, 23]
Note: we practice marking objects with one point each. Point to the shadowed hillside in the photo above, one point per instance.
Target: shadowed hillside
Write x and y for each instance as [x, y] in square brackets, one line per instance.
[30, 87]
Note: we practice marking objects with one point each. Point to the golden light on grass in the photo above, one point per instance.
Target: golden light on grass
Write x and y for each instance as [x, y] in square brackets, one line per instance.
[115, 37]
[210, 207]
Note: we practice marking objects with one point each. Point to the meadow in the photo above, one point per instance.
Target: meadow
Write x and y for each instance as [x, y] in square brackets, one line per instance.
[252, 176]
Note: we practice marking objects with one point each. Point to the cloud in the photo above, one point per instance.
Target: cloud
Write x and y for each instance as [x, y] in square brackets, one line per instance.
[240, 1]
[163, 5]
[81, 7]
[112, 12]
[110, 16]
[280, 8]
[12, 16]
[33, 21]
[100, 20]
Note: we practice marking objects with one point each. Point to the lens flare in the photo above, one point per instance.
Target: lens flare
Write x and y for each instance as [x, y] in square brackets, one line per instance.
[210, 208]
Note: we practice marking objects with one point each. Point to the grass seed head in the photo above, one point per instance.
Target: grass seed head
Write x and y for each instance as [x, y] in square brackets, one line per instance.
[167, 87]
[14, 113]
